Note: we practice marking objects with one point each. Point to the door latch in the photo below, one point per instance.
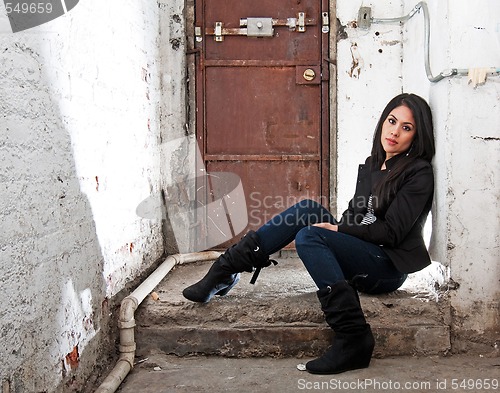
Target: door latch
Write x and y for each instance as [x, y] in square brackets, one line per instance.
[301, 22]
[218, 32]
[264, 26]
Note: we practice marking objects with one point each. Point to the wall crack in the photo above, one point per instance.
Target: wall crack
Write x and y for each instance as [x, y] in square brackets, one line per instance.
[486, 138]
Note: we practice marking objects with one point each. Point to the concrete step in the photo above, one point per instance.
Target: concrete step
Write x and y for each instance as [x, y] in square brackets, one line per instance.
[279, 317]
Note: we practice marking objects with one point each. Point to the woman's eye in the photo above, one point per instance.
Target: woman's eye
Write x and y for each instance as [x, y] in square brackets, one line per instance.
[406, 128]
[392, 121]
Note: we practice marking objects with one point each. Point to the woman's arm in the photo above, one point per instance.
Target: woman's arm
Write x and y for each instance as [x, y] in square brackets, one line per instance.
[327, 225]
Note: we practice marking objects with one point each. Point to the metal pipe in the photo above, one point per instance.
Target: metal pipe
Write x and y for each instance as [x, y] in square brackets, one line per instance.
[427, 32]
[427, 44]
[399, 19]
[129, 305]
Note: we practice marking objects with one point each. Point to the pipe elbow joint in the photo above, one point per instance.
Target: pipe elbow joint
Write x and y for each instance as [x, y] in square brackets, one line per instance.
[127, 358]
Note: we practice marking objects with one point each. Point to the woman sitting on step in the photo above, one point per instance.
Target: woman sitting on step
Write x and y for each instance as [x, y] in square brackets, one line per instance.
[371, 249]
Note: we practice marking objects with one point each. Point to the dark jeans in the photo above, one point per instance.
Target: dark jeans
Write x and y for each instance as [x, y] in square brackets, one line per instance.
[330, 256]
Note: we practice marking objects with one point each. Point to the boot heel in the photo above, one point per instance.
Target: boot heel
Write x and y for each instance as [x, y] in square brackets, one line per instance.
[224, 291]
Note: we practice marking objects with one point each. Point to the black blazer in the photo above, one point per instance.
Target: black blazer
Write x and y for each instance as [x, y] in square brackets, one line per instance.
[399, 229]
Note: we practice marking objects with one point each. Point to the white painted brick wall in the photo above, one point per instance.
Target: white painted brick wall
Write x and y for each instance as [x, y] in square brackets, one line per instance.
[79, 150]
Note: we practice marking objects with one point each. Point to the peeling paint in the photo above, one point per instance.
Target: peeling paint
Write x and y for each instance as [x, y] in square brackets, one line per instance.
[352, 24]
[390, 43]
[357, 62]
[73, 358]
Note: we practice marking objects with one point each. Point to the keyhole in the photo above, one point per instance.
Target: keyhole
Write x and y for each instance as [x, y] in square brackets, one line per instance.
[309, 74]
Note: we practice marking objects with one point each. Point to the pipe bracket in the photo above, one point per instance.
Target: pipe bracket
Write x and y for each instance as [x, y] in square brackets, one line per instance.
[127, 348]
[126, 324]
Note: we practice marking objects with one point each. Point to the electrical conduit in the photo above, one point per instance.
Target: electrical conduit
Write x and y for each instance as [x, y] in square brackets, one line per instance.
[427, 32]
[126, 322]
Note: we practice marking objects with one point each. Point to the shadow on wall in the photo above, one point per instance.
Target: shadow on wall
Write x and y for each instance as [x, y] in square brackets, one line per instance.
[78, 152]
[53, 324]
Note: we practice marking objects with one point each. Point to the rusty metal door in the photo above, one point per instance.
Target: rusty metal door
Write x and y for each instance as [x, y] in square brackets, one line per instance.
[262, 98]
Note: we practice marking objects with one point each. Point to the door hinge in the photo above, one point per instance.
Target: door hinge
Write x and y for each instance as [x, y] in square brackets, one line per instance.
[198, 34]
[326, 22]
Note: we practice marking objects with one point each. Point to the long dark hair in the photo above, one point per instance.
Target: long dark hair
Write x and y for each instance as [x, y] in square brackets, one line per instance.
[422, 146]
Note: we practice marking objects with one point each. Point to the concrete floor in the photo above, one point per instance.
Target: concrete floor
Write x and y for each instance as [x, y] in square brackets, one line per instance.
[285, 291]
[162, 374]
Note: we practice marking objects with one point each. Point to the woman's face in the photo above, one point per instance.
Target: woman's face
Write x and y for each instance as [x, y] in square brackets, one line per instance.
[398, 131]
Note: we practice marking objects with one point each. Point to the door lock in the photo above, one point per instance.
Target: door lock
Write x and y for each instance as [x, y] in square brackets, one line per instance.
[309, 74]
[259, 27]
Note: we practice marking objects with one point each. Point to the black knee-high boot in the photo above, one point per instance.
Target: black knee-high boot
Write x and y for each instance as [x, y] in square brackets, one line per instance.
[353, 343]
[224, 273]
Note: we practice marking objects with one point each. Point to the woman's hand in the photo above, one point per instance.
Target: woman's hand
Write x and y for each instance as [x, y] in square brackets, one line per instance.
[327, 225]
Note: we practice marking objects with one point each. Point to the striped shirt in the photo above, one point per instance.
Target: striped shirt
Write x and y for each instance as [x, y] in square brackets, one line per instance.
[369, 217]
